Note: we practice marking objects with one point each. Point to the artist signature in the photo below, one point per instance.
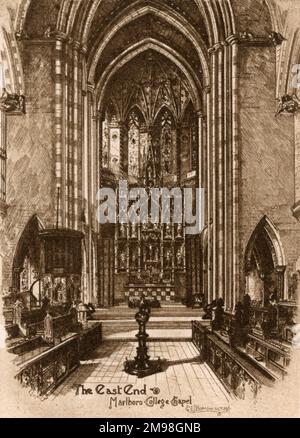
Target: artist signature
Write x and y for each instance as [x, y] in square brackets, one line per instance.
[196, 409]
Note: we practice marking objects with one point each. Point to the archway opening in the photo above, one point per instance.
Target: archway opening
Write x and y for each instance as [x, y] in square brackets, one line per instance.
[26, 264]
[264, 265]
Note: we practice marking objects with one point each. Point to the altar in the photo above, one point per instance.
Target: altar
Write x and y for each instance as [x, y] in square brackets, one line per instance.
[160, 292]
[151, 255]
[144, 252]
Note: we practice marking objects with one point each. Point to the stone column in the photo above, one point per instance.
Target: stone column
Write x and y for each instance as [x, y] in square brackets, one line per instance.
[76, 124]
[201, 148]
[208, 192]
[213, 167]
[223, 177]
[201, 183]
[280, 270]
[123, 148]
[90, 182]
[220, 185]
[3, 159]
[67, 131]
[296, 207]
[59, 116]
[178, 145]
[234, 160]
[217, 169]
[228, 292]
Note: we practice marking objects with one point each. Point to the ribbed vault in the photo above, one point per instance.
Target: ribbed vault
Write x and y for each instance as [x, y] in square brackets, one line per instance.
[189, 27]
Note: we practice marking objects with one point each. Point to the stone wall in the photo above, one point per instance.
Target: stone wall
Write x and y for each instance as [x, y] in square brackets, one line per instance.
[30, 164]
[266, 145]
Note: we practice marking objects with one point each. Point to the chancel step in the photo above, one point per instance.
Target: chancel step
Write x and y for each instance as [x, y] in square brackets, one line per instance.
[124, 312]
[167, 322]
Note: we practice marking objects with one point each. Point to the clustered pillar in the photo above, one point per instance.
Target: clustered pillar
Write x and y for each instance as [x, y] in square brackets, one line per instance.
[218, 149]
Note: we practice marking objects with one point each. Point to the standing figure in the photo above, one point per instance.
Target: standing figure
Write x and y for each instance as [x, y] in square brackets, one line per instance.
[179, 230]
[17, 316]
[168, 231]
[122, 231]
[218, 315]
[122, 260]
[48, 328]
[236, 331]
[246, 309]
[133, 231]
[179, 258]
[168, 259]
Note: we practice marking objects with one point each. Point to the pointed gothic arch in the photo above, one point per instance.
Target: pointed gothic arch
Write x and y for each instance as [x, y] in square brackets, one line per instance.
[27, 257]
[171, 17]
[264, 263]
[135, 109]
[135, 124]
[143, 46]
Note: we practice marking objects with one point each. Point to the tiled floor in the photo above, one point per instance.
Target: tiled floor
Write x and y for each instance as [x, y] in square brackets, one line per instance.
[184, 374]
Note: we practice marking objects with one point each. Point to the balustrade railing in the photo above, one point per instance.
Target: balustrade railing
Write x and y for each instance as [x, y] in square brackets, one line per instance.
[45, 371]
[274, 322]
[61, 326]
[237, 374]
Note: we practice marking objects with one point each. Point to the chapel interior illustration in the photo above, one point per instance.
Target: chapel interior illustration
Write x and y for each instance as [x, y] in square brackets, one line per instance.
[167, 94]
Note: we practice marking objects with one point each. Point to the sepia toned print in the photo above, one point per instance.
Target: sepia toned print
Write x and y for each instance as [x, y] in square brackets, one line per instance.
[149, 208]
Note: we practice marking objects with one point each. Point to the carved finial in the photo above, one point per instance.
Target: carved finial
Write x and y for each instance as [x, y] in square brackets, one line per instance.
[10, 103]
[21, 35]
[289, 103]
[276, 38]
[246, 36]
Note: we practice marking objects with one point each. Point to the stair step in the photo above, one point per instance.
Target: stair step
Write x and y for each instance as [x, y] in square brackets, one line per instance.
[157, 325]
[120, 313]
[154, 335]
[167, 322]
[162, 327]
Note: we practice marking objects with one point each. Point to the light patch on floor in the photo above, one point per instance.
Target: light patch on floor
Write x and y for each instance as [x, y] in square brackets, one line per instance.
[184, 378]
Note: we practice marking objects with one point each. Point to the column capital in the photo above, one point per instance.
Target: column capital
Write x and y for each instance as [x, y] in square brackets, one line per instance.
[90, 88]
[76, 44]
[217, 46]
[60, 36]
[232, 39]
[280, 269]
[288, 104]
[83, 49]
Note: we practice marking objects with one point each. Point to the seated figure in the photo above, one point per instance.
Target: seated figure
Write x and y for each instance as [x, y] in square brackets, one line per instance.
[246, 309]
[208, 310]
[218, 317]
[270, 322]
[237, 333]
[197, 299]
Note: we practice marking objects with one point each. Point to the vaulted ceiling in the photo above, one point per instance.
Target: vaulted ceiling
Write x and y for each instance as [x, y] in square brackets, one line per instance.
[151, 83]
[108, 28]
